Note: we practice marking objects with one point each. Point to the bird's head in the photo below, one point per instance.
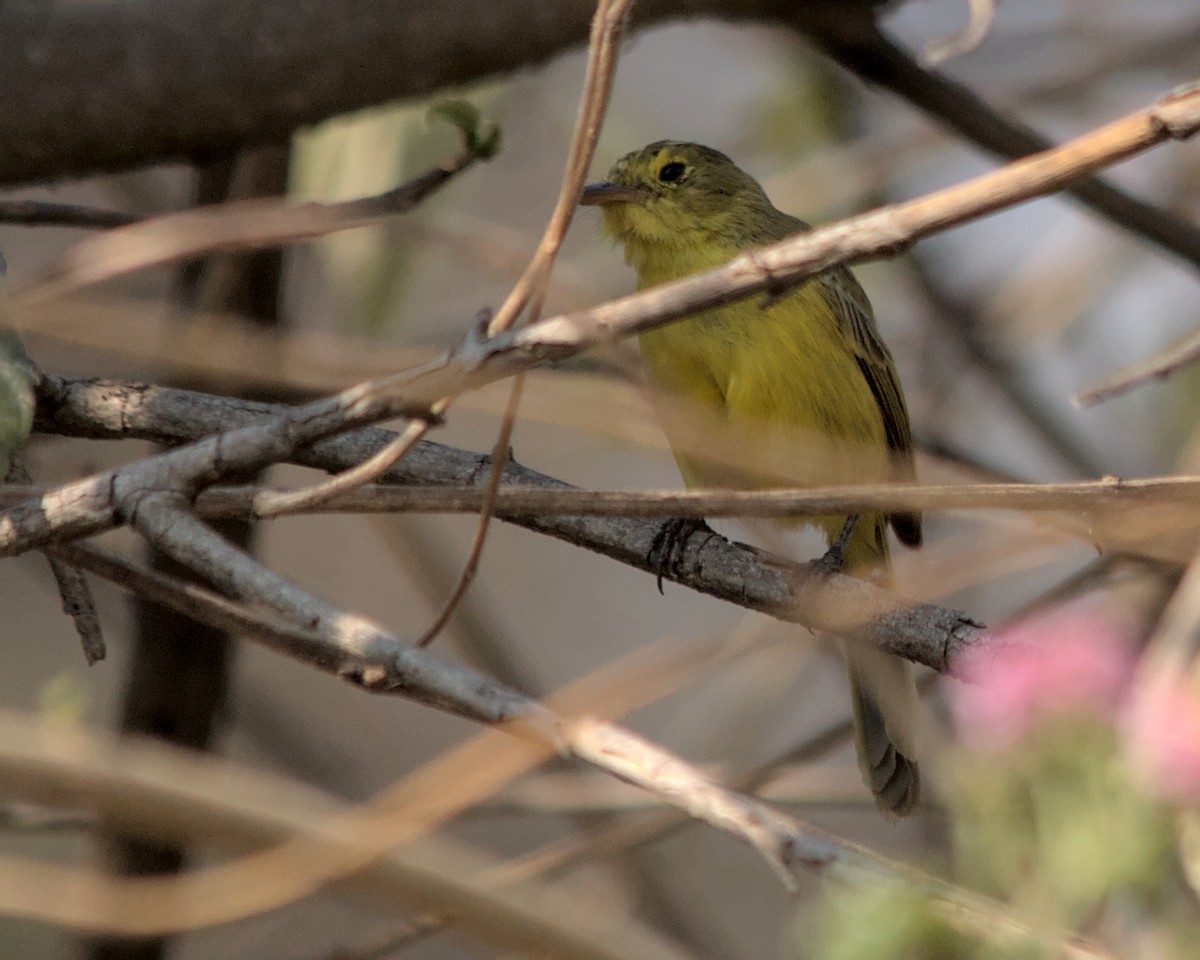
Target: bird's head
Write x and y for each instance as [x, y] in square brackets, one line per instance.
[680, 195]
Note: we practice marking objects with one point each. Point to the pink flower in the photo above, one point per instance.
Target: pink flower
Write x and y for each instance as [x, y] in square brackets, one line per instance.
[1058, 663]
[1162, 737]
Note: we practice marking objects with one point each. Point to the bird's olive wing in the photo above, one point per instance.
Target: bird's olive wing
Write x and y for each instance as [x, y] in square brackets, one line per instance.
[854, 310]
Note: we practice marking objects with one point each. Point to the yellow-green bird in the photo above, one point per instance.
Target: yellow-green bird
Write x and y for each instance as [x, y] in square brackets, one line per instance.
[806, 369]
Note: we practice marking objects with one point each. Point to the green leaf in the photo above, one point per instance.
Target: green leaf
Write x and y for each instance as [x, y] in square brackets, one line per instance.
[481, 139]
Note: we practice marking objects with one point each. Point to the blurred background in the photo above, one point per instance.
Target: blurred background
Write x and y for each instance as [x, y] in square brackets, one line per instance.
[994, 326]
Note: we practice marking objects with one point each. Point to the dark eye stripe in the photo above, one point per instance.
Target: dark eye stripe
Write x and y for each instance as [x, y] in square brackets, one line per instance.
[672, 172]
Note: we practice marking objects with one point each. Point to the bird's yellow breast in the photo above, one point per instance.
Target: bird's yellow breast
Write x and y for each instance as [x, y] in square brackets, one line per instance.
[766, 393]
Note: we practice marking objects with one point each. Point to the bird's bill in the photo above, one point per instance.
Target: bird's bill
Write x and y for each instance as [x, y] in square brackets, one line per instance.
[603, 194]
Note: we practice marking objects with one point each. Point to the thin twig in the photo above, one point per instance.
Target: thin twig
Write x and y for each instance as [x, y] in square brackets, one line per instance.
[1109, 495]
[1158, 366]
[420, 552]
[273, 503]
[855, 41]
[788, 844]
[603, 49]
[77, 603]
[499, 460]
[236, 226]
[1105, 495]
[384, 945]
[883, 232]
[629, 833]
[73, 590]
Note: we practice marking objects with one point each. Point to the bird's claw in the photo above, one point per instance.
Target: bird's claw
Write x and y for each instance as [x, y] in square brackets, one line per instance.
[833, 560]
[666, 550]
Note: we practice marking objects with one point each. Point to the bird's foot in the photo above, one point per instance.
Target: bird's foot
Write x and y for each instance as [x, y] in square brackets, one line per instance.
[834, 559]
[666, 550]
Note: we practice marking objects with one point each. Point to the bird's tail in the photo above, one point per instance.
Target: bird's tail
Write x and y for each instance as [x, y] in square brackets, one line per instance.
[883, 694]
[883, 697]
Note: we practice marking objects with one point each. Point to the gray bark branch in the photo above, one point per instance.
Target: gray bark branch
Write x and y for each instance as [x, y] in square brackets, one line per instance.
[925, 633]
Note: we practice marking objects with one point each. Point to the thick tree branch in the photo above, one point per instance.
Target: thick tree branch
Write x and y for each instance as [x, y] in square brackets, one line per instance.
[345, 645]
[103, 86]
[929, 634]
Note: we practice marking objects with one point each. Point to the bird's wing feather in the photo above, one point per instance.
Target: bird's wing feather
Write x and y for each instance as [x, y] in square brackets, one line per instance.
[853, 309]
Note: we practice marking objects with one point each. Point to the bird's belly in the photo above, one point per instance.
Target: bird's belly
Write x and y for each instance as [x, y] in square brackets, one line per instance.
[754, 397]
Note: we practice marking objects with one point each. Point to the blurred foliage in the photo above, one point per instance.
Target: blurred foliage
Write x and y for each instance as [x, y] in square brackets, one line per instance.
[1062, 824]
[64, 698]
[1056, 824]
[858, 922]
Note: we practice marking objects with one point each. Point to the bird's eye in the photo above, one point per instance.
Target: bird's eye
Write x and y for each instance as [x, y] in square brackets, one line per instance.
[672, 172]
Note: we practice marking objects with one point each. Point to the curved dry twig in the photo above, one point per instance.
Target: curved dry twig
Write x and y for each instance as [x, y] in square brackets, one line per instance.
[530, 289]
[603, 49]
[274, 503]
[499, 460]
